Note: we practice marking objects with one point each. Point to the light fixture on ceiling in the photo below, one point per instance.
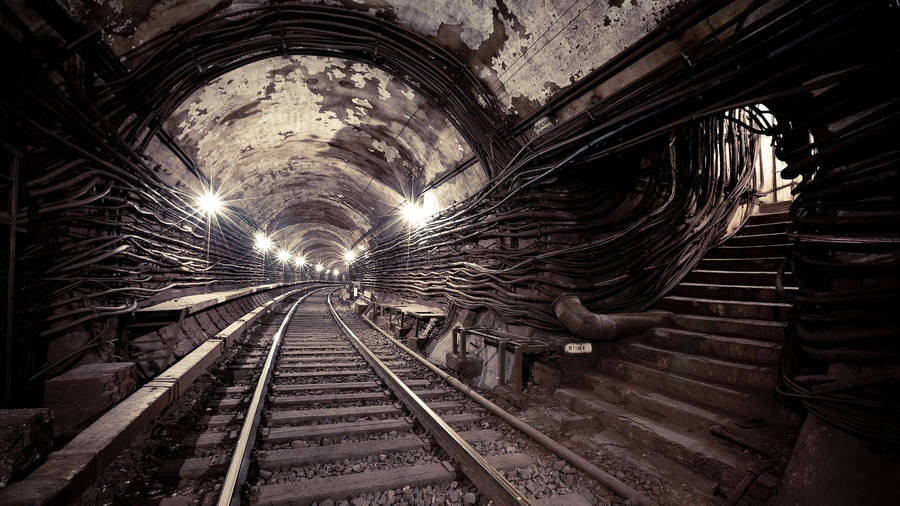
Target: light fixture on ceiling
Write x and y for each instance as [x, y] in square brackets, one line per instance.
[209, 203]
[415, 214]
[284, 255]
[262, 242]
[319, 267]
[299, 261]
[350, 256]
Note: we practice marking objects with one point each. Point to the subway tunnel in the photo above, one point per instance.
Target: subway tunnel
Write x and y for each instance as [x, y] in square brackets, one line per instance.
[450, 252]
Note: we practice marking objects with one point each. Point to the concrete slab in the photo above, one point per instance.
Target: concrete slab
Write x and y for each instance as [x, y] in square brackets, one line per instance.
[26, 437]
[80, 395]
[723, 347]
[193, 303]
[719, 371]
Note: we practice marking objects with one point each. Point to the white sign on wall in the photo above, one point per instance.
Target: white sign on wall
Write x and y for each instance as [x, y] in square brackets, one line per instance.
[578, 348]
[543, 125]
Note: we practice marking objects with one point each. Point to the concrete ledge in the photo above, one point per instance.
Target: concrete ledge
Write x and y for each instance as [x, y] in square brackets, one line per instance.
[191, 304]
[57, 481]
[26, 437]
[81, 394]
[114, 431]
[69, 471]
[155, 351]
[183, 374]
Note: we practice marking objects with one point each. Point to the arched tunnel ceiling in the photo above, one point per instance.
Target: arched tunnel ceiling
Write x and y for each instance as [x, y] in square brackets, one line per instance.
[524, 50]
[315, 149]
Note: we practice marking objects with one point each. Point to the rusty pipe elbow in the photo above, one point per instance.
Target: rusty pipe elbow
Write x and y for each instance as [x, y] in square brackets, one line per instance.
[586, 324]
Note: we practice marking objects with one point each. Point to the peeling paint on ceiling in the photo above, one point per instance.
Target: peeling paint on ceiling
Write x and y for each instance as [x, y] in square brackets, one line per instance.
[525, 50]
[315, 149]
[320, 149]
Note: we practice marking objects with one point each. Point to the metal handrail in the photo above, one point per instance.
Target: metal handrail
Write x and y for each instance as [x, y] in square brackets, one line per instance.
[488, 479]
[240, 459]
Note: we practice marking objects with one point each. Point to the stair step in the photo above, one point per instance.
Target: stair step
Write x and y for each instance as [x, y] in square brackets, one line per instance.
[750, 278]
[764, 228]
[742, 264]
[732, 292]
[719, 371]
[753, 404]
[775, 217]
[775, 207]
[769, 239]
[692, 417]
[771, 311]
[724, 347]
[760, 329]
[699, 452]
[756, 251]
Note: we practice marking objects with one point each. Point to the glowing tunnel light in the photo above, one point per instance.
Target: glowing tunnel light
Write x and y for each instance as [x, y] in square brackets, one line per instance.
[415, 214]
[284, 255]
[209, 203]
[262, 242]
[335, 272]
[350, 256]
[299, 261]
[319, 267]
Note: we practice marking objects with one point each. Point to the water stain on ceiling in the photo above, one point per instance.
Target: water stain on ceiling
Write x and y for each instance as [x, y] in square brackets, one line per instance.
[314, 149]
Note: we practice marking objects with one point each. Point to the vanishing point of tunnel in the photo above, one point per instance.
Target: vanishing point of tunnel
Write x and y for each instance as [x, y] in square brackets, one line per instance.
[450, 252]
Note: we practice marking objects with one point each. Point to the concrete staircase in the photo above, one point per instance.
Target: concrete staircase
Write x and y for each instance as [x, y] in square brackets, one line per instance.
[676, 391]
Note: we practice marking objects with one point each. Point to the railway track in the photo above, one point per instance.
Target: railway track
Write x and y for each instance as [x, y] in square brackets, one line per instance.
[316, 408]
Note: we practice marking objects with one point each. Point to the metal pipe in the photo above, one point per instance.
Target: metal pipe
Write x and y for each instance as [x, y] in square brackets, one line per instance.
[622, 490]
[586, 324]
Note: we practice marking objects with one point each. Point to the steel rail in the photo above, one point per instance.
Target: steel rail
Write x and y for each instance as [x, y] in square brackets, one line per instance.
[489, 480]
[621, 489]
[240, 458]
